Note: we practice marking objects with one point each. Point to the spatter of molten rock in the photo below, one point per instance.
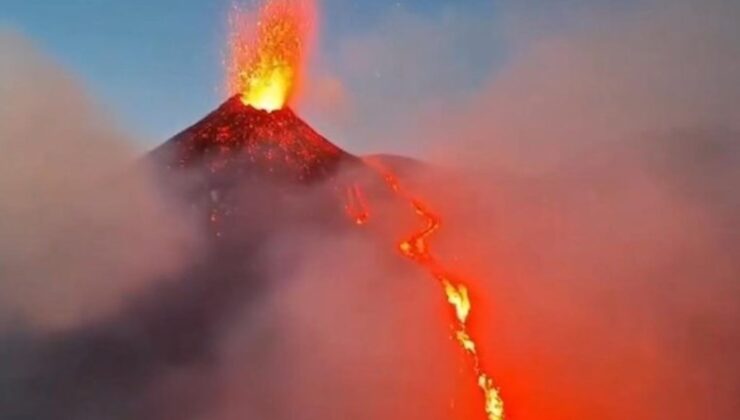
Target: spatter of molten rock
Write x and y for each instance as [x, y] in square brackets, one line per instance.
[268, 51]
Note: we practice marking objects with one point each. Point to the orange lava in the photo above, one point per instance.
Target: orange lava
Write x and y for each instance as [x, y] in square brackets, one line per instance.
[417, 249]
[268, 51]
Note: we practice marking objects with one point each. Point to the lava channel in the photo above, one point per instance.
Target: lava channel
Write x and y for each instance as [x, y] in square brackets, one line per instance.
[416, 249]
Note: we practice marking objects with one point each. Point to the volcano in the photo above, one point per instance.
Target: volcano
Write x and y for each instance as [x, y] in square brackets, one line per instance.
[276, 154]
[240, 163]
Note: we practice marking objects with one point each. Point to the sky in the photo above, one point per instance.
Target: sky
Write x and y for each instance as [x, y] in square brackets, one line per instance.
[157, 65]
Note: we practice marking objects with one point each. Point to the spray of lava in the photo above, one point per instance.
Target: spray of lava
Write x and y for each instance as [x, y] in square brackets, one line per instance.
[416, 248]
[267, 51]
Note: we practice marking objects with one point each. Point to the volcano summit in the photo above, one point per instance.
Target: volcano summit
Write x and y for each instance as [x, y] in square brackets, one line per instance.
[243, 141]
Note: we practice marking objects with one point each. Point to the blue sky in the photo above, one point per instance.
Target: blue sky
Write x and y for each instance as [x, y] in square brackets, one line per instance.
[156, 64]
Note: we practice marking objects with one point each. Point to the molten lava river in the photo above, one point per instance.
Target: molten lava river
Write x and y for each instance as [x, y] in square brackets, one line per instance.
[416, 248]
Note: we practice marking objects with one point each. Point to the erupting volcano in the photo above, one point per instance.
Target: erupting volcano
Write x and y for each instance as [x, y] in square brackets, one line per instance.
[255, 129]
[256, 136]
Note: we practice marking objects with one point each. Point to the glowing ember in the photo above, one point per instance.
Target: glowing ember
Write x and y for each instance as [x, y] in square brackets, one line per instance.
[267, 54]
[416, 248]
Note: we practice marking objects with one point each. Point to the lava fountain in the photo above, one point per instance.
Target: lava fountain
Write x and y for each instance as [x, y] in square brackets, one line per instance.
[268, 51]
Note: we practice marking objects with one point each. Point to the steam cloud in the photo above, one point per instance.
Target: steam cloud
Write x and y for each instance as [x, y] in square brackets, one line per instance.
[596, 208]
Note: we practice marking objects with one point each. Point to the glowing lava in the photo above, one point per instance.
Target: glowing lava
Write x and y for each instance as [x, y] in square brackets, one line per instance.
[267, 53]
[416, 248]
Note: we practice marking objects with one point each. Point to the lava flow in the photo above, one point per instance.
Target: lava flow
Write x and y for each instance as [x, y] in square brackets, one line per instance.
[416, 248]
[255, 135]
